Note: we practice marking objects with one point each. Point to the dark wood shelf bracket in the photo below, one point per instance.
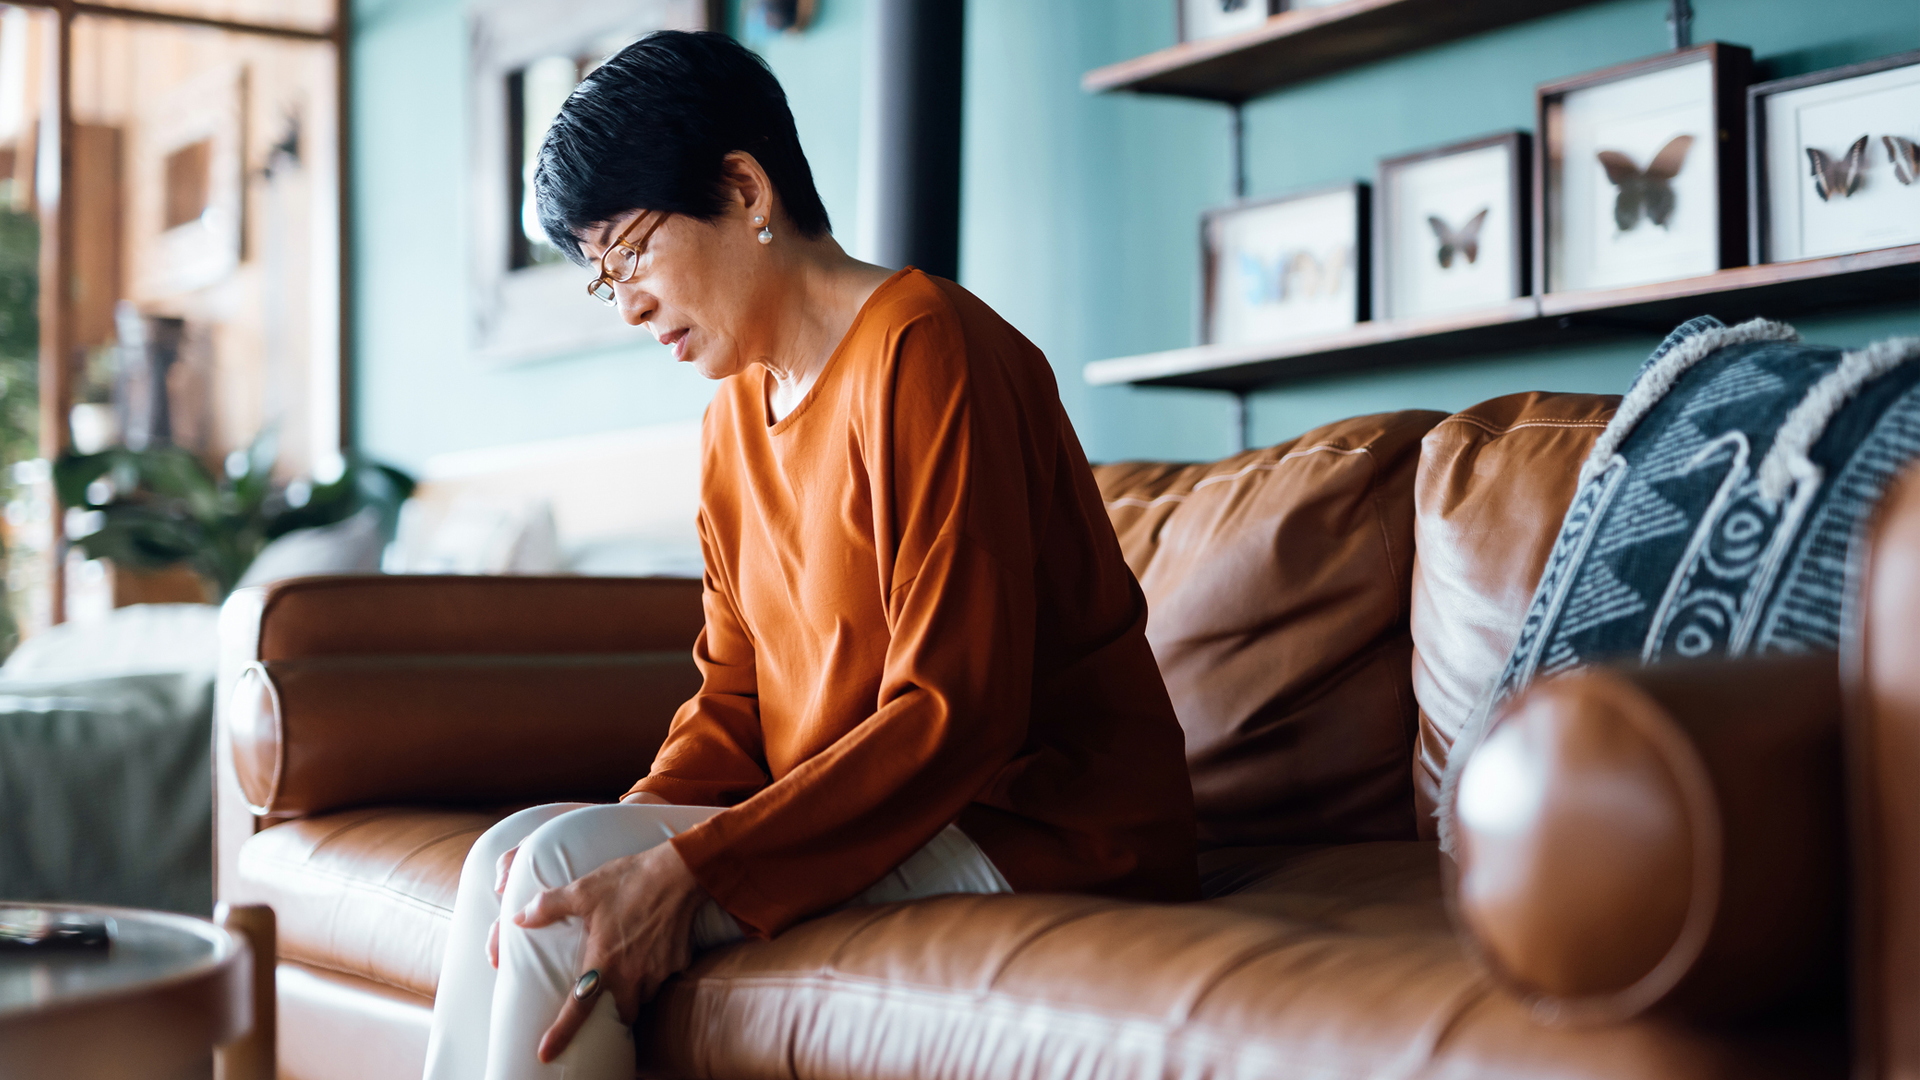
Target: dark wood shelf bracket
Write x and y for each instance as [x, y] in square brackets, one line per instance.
[1680, 24]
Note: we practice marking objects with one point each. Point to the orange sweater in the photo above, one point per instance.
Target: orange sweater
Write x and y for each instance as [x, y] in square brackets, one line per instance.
[917, 614]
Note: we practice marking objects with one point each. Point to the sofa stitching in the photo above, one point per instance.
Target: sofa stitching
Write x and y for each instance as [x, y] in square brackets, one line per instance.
[1245, 959]
[874, 915]
[1258, 466]
[403, 860]
[1020, 948]
[367, 975]
[1493, 429]
[352, 882]
[366, 818]
[1059, 1016]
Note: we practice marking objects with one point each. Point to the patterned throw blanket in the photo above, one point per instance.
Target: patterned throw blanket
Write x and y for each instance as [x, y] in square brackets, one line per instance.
[1716, 513]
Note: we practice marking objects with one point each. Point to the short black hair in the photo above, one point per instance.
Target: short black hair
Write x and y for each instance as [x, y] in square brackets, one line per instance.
[649, 129]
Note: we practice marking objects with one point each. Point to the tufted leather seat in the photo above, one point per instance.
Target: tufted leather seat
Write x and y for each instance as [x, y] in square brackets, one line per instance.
[1325, 961]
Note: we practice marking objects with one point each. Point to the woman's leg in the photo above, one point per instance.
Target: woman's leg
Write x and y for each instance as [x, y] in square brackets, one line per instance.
[457, 1045]
[950, 863]
[538, 967]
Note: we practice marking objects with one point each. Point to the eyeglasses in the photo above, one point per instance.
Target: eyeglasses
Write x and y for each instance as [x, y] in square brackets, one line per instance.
[621, 260]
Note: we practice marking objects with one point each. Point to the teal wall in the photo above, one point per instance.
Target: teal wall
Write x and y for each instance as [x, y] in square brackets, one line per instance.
[1080, 213]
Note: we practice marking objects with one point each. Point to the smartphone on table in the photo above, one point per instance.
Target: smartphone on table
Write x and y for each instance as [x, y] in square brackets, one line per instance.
[39, 930]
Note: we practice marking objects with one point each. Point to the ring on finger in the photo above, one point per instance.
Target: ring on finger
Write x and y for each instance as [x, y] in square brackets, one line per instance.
[587, 985]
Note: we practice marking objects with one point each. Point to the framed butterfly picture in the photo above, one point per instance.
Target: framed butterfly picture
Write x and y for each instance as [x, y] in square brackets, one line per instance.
[1450, 227]
[1639, 171]
[1288, 267]
[1201, 19]
[1835, 161]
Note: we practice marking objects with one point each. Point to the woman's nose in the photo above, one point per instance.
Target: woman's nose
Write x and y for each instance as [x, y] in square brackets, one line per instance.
[636, 306]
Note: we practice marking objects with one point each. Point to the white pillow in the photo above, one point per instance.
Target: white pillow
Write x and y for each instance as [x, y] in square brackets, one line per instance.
[475, 536]
[344, 547]
[139, 639]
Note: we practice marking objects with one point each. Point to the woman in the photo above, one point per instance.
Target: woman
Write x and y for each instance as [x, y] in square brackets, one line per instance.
[925, 667]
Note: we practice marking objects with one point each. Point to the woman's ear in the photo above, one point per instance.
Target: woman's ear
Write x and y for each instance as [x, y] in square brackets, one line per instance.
[746, 184]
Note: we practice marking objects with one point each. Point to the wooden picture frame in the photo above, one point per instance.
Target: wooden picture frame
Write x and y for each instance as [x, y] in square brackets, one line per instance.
[1193, 25]
[1392, 247]
[189, 192]
[1299, 265]
[521, 310]
[1764, 175]
[1568, 253]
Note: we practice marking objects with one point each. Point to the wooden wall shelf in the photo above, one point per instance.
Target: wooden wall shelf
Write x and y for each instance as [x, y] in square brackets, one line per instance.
[1295, 46]
[1776, 290]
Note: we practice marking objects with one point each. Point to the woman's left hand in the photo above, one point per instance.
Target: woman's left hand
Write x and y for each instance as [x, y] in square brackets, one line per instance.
[639, 914]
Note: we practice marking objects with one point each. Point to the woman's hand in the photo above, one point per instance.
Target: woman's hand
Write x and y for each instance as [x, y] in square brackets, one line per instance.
[499, 886]
[639, 914]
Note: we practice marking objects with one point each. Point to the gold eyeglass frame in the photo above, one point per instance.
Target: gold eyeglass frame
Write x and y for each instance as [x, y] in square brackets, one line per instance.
[612, 299]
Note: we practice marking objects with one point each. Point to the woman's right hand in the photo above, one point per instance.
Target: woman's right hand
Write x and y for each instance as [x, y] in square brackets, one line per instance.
[499, 887]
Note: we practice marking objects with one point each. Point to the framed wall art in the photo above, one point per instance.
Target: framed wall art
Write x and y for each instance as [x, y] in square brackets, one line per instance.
[1287, 267]
[1202, 19]
[1835, 162]
[526, 301]
[1450, 227]
[1639, 171]
[189, 183]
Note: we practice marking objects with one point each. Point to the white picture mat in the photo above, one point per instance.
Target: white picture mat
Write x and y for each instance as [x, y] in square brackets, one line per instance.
[1453, 188]
[1286, 269]
[1829, 117]
[1203, 18]
[1636, 116]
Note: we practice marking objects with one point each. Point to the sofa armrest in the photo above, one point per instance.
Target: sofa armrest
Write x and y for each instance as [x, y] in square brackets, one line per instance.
[1666, 837]
[1883, 756]
[350, 691]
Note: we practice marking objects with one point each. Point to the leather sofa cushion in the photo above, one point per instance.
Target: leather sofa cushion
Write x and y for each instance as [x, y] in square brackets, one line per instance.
[1276, 584]
[1669, 838]
[317, 734]
[365, 892]
[513, 689]
[1311, 960]
[1326, 962]
[1493, 485]
[449, 615]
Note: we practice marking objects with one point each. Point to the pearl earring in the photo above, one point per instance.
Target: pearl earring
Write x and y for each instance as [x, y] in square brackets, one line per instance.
[765, 236]
[759, 220]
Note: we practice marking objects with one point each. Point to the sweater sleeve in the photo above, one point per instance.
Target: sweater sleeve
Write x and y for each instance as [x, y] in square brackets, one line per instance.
[943, 449]
[713, 754]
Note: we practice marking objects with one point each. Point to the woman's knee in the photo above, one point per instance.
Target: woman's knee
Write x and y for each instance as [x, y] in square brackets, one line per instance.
[508, 833]
[569, 844]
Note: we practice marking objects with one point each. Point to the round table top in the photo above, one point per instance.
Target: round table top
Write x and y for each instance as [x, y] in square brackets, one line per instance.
[148, 947]
[170, 986]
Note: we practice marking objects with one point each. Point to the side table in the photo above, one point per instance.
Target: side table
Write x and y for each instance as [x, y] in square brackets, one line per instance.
[157, 1004]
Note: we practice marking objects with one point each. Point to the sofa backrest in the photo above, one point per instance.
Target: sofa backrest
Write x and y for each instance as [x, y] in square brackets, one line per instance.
[1494, 483]
[1277, 584]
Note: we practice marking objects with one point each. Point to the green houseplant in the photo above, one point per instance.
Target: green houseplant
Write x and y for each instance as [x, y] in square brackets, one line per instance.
[160, 507]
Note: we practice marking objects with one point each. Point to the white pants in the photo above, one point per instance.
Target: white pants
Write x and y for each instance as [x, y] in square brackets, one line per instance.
[488, 1024]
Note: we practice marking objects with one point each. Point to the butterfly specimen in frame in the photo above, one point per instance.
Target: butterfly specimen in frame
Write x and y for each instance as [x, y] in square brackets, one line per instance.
[1905, 157]
[1293, 275]
[1838, 179]
[1647, 191]
[1464, 240]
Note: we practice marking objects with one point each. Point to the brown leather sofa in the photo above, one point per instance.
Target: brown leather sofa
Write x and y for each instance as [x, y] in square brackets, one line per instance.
[1326, 613]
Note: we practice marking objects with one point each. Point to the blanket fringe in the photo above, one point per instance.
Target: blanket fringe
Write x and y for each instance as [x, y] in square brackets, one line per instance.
[1654, 383]
[1787, 462]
